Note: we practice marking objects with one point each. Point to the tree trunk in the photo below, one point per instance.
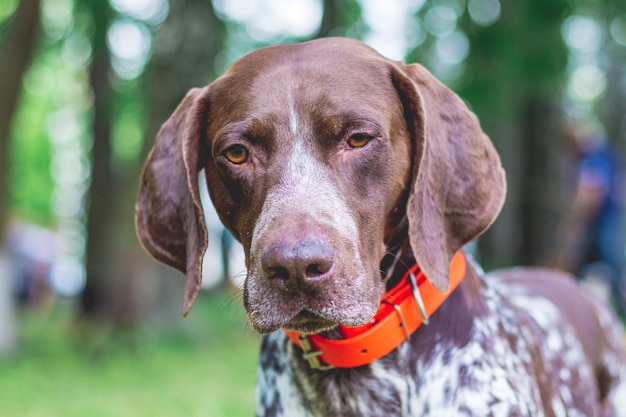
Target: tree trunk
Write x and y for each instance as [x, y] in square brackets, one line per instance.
[540, 175]
[328, 19]
[102, 206]
[502, 243]
[16, 56]
[514, 92]
[183, 58]
[338, 17]
[615, 107]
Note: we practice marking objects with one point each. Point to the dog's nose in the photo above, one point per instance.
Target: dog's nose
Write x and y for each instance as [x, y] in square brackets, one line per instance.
[298, 266]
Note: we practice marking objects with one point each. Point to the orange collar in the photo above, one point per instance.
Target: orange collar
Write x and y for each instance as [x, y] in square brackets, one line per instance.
[386, 331]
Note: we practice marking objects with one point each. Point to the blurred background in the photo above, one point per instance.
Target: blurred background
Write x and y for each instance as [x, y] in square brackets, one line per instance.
[89, 325]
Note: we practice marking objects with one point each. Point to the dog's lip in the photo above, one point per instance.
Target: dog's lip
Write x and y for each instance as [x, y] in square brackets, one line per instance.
[303, 321]
[307, 322]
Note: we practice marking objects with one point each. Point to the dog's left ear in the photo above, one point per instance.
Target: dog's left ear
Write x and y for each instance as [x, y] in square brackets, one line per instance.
[458, 184]
[168, 214]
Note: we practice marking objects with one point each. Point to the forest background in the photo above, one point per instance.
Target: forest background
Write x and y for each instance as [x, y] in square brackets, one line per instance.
[85, 86]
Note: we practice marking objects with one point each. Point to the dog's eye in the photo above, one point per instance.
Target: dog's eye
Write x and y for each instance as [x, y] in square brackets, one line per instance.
[359, 140]
[236, 154]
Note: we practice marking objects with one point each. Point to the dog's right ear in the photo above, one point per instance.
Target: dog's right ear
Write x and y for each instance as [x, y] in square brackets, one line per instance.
[168, 214]
[458, 185]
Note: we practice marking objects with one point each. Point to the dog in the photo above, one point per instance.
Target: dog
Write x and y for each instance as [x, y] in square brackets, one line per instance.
[353, 182]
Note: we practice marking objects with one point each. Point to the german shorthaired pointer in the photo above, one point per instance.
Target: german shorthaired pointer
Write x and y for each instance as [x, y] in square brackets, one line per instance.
[339, 171]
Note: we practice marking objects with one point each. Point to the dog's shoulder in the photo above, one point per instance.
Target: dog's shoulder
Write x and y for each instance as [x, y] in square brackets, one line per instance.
[521, 356]
[555, 327]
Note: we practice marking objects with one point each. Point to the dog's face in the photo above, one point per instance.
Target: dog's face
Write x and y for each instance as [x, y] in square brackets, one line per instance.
[316, 155]
[305, 170]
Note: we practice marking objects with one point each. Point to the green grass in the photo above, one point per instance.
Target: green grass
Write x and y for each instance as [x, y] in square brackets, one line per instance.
[205, 366]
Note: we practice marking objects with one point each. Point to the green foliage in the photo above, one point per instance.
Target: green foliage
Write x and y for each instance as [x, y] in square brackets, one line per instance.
[30, 151]
[189, 370]
[348, 15]
[128, 131]
[521, 55]
[52, 114]
[343, 18]
[56, 84]
[7, 8]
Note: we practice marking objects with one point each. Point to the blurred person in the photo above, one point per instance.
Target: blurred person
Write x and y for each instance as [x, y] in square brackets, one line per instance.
[591, 234]
[31, 248]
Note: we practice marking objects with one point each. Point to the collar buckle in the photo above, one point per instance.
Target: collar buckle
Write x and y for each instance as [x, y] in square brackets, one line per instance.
[399, 311]
[412, 301]
[312, 356]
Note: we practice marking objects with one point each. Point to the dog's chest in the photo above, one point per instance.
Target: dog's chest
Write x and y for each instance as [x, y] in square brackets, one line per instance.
[515, 363]
[286, 386]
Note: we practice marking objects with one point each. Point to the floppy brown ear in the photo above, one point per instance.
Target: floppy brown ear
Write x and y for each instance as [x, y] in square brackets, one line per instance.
[168, 214]
[458, 184]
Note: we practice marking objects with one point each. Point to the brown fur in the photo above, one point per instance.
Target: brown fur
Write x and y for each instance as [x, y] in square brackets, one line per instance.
[320, 219]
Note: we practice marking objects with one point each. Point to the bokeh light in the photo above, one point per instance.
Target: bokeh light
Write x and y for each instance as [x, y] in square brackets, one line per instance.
[618, 29]
[152, 12]
[587, 83]
[484, 12]
[130, 43]
[452, 48]
[582, 34]
[268, 20]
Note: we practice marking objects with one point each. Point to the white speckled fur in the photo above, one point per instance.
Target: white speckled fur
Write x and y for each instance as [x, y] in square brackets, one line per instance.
[561, 352]
[303, 174]
[494, 374]
[305, 193]
[321, 219]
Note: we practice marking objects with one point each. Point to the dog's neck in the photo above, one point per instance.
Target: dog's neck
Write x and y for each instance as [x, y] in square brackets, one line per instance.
[393, 267]
[398, 259]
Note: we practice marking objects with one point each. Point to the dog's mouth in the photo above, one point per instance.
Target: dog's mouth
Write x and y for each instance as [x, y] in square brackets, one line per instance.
[296, 314]
[303, 321]
[348, 297]
[307, 322]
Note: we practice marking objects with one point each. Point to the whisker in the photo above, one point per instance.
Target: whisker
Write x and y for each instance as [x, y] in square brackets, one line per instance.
[393, 264]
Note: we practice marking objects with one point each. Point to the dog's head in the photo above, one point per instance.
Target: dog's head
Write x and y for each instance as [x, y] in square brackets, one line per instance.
[316, 155]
